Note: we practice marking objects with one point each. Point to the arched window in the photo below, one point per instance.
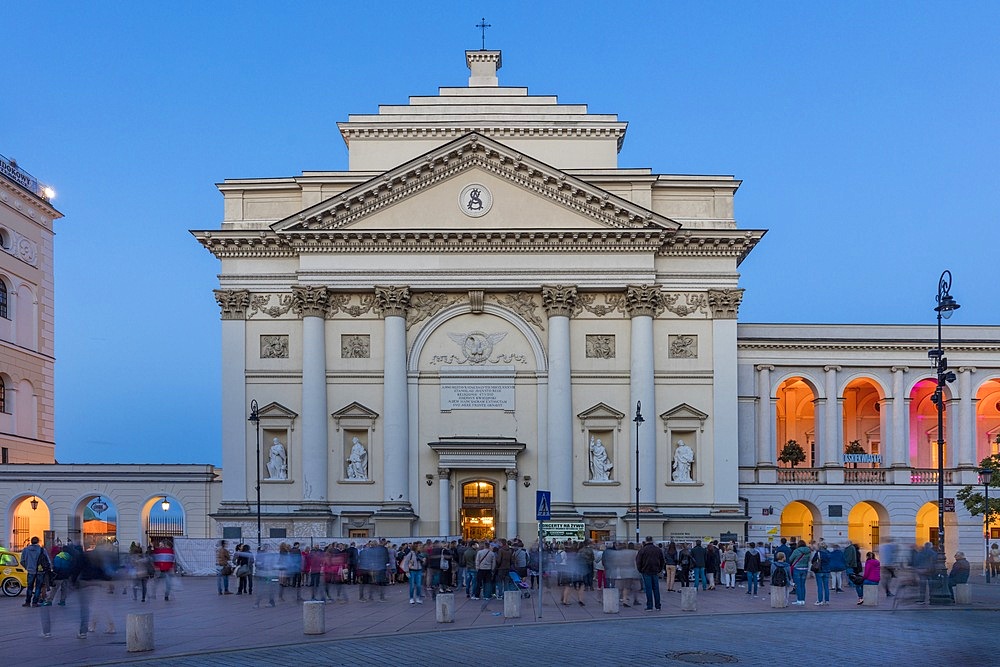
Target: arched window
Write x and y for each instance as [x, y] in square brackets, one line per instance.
[3, 300]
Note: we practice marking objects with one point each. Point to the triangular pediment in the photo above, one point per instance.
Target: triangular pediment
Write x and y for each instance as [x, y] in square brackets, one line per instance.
[276, 411]
[684, 413]
[426, 194]
[601, 411]
[355, 410]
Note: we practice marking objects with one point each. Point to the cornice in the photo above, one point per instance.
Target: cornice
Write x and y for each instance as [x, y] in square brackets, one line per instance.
[522, 129]
[227, 244]
[712, 242]
[920, 346]
[16, 197]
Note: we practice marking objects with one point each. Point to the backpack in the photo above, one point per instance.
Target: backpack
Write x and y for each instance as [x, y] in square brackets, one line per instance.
[779, 577]
[815, 563]
[62, 564]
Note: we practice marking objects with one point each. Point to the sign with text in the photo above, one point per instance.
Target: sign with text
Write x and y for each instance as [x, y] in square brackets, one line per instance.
[862, 458]
[477, 388]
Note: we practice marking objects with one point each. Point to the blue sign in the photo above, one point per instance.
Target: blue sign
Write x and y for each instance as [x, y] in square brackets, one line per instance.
[543, 505]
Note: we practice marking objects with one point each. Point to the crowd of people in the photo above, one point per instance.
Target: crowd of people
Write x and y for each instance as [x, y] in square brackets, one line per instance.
[483, 570]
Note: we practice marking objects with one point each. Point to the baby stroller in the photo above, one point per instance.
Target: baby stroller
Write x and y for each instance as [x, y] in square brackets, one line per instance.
[518, 584]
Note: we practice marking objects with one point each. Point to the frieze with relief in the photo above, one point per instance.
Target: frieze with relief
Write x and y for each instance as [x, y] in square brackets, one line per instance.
[274, 347]
[355, 346]
[682, 346]
[600, 346]
[477, 347]
[524, 304]
[693, 302]
[427, 304]
[611, 302]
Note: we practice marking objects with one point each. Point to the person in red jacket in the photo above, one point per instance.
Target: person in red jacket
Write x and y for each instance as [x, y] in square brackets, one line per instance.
[163, 564]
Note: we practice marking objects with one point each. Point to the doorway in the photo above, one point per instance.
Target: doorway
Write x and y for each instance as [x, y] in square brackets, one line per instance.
[479, 510]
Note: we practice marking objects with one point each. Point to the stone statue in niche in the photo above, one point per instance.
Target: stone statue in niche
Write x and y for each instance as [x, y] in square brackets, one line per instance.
[277, 461]
[357, 462]
[600, 465]
[683, 461]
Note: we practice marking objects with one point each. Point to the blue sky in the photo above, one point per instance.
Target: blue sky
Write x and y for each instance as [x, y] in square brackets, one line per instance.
[866, 136]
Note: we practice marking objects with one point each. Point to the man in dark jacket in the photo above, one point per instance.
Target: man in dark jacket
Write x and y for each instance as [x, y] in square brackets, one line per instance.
[649, 561]
[36, 562]
[698, 554]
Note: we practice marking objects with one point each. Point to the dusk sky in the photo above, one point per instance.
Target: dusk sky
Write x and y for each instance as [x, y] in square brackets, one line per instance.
[867, 137]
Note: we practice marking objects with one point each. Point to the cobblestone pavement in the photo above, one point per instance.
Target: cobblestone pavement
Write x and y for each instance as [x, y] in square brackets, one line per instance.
[199, 627]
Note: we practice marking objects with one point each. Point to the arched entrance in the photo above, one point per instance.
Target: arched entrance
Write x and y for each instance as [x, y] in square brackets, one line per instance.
[797, 521]
[479, 510]
[29, 517]
[99, 524]
[867, 525]
[163, 519]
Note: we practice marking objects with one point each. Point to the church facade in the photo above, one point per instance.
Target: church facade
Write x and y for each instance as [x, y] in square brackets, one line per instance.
[485, 304]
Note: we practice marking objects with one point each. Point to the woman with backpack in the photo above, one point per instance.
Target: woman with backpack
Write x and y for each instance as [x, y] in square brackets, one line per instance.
[799, 562]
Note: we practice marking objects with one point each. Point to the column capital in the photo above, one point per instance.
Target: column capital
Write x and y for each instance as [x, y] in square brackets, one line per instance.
[832, 369]
[899, 369]
[725, 303]
[643, 300]
[233, 302]
[966, 369]
[444, 473]
[559, 300]
[309, 300]
[392, 300]
[511, 474]
[764, 367]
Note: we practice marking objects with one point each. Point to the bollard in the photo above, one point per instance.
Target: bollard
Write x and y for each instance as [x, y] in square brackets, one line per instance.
[314, 617]
[779, 597]
[871, 595]
[139, 632]
[612, 602]
[689, 598]
[444, 608]
[512, 604]
[963, 593]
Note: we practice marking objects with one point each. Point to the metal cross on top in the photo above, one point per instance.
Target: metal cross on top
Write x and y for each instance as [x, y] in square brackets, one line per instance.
[483, 25]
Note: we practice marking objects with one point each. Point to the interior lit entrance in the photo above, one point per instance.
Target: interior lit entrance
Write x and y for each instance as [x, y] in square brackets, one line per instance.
[479, 510]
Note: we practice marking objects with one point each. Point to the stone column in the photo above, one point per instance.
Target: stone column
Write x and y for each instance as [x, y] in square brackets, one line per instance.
[900, 420]
[310, 303]
[966, 419]
[725, 305]
[511, 503]
[444, 501]
[392, 302]
[765, 439]
[642, 302]
[559, 302]
[237, 432]
[830, 446]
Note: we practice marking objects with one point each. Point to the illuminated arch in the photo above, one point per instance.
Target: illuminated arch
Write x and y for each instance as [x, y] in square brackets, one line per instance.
[26, 521]
[159, 524]
[799, 520]
[867, 525]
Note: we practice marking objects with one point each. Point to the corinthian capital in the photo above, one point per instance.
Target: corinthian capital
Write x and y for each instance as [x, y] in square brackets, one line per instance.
[309, 301]
[233, 302]
[558, 300]
[725, 303]
[392, 300]
[643, 300]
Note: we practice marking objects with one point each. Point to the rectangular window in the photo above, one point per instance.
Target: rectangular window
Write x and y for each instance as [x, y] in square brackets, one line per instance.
[278, 533]
[232, 532]
[4, 455]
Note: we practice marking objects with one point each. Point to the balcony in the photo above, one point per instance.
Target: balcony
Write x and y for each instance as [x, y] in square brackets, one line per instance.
[928, 476]
[865, 476]
[855, 476]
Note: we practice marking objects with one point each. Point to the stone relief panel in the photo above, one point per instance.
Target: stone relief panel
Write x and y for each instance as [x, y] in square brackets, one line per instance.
[683, 346]
[524, 304]
[600, 346]
[274, 346]
[355, 346]
[692, 303]
[477, 347]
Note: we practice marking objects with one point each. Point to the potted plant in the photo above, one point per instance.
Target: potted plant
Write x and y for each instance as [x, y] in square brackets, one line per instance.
[792, 453]
[854, 447]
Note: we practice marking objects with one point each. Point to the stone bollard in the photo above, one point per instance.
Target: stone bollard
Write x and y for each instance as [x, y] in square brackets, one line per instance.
[314, 617]
[779, 597]
[612, 603]
[871, 595]
[444, 608]
[963, 593]
[139, 632]
[689, 598]
[512, 604]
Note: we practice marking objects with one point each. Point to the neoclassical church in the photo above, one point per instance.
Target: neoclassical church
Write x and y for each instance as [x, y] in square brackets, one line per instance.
[485, 304]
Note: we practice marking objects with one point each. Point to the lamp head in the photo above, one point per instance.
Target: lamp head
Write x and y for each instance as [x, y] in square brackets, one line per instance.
[254, 412]
[165, 504]
[986, 476]
[34, 503]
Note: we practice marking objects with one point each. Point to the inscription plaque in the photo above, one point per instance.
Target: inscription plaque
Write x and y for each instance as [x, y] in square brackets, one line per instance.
[479, 388]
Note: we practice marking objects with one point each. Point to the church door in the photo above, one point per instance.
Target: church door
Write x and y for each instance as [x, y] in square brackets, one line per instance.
[479, 510]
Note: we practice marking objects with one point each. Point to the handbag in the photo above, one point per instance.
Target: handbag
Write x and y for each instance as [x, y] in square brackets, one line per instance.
[242, 570]
[445, 564]
[227, 570]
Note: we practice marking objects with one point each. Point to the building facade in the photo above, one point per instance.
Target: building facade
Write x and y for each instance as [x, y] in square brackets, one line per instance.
[27, 318]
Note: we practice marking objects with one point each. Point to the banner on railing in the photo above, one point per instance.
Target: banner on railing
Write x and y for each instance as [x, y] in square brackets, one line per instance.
[862, 458]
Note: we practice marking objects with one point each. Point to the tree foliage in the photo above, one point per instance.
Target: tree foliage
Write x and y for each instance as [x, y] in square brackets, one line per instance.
[792, 453]
[973, 497]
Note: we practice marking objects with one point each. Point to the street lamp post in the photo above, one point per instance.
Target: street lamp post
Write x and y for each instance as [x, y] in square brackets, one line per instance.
[255, 418]
[946, 305]
[986, 476]
[638, 420]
